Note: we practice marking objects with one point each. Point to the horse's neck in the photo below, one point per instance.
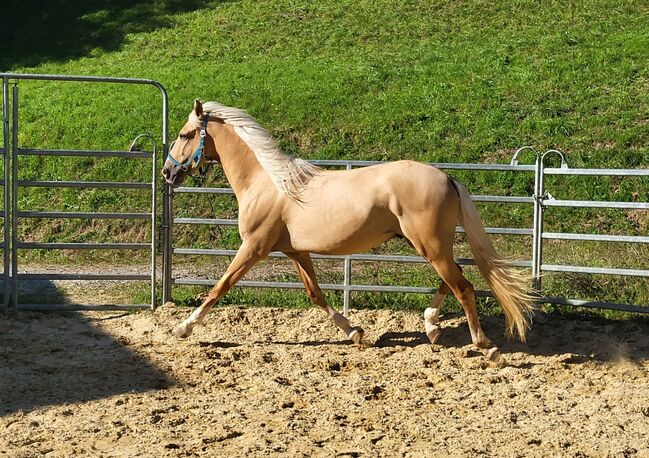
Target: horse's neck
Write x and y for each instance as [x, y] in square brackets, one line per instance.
[239, 163]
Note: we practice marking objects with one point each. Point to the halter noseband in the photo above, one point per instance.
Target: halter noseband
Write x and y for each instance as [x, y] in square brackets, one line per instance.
[199, 151]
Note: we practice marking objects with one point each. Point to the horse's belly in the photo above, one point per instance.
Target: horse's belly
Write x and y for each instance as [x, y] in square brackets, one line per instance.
[325, 234]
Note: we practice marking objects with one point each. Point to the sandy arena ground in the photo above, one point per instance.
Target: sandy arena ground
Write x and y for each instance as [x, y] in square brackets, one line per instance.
[269, 382]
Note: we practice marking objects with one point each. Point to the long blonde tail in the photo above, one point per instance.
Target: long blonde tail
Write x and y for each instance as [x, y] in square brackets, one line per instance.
[510, 286]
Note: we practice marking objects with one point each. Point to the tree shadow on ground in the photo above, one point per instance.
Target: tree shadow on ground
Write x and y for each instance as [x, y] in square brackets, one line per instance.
[34, 32]
[56, 358]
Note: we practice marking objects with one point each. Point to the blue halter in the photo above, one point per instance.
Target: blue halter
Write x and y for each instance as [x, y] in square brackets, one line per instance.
[199, 151]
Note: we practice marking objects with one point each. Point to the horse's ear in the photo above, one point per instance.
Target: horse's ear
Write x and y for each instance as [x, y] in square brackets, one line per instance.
[198, 108]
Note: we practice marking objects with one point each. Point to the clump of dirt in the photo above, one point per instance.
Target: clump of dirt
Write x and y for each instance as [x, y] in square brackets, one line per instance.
[266, 382]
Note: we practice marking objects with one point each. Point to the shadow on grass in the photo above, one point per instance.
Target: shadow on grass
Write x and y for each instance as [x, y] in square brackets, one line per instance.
[34, 32]
[54, 358]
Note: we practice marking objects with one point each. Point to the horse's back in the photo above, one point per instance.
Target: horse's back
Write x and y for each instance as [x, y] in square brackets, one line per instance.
[416, 185]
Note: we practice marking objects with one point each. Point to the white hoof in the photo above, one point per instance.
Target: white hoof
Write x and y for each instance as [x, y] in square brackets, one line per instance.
[356, 335]
[182, 331]
[431, 318]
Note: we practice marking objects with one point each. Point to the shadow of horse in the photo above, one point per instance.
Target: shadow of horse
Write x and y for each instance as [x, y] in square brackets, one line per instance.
[581, 339]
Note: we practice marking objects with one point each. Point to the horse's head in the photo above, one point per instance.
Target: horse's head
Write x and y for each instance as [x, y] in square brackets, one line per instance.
[193, 146]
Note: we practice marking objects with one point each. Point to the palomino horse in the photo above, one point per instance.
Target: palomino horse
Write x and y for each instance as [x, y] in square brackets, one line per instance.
[288, 205]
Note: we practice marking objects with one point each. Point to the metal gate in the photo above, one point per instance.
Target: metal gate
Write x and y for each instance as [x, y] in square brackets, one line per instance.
[545, 202]
[14, 185]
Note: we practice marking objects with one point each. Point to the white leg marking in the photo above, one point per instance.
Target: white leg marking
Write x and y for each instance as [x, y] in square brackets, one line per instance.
[186, 327]
[431, 318]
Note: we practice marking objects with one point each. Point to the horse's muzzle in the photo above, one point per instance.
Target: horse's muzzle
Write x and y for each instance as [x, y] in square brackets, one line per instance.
[173, 174]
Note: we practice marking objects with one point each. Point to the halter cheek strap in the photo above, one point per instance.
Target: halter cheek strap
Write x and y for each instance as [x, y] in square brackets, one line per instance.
[196, 157]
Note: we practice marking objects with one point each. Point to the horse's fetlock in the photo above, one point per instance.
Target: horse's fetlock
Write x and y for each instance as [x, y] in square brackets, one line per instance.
[483, 342]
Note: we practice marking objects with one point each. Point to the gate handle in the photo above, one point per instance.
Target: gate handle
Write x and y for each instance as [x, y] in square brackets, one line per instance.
[514, 160]
[149, 136]
[564, 164]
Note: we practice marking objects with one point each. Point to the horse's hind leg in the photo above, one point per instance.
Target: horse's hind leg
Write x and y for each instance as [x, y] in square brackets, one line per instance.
[438, 250]
[304, 266]
[431, 314]
[464, 292]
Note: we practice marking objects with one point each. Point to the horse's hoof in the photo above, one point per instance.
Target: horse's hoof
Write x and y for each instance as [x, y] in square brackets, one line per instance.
[182, 331]
[494, 356]
[433, 334]
[356, 335]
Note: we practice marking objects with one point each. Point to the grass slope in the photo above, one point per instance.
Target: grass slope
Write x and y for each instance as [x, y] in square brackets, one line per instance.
[449, 81]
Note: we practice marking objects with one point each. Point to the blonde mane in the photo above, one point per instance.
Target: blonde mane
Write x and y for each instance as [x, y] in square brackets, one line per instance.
[289, 174]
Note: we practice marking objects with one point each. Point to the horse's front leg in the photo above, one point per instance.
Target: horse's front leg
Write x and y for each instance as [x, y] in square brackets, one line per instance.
[304, 266]
[247, 256]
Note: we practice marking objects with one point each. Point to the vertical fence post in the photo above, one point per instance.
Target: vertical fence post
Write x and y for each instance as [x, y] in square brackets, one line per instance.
[14, 196]
[154, 212]
[347, 284]
[537, 225]
[539, 198]
[537, 222]
[166, 240]
[5, 219]
[348, 279]
[154, 222]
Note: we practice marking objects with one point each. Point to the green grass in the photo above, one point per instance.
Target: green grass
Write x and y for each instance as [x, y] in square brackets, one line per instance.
[466, 81]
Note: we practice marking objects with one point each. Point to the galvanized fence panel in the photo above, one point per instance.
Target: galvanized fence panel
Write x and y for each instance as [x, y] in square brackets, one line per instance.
[547, 202]
[348, 286]
[17, 184]
[539, 202]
